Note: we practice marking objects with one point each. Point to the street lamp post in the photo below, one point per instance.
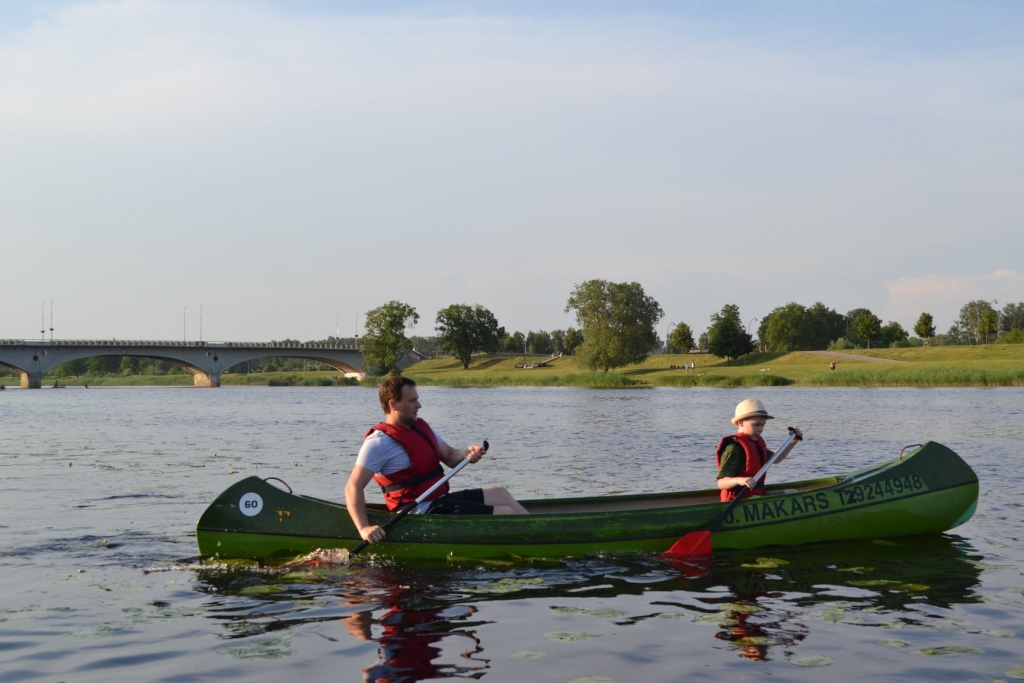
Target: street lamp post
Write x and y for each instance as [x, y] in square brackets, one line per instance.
[51, 321]
[200, 322]
[184, 328]
[42, 322]
[668, 331]
[748, 329]
[337, 325]
[357, 329]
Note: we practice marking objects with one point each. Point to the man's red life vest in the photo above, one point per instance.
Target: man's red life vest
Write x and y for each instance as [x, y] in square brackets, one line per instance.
[408, 484]
[757, 456]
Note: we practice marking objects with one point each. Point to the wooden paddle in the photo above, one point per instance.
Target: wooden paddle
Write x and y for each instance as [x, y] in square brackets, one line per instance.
[409, 507]
[697, 544]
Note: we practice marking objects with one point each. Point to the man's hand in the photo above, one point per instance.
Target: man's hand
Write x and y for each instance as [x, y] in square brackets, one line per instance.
[474, 453]
[372, 533]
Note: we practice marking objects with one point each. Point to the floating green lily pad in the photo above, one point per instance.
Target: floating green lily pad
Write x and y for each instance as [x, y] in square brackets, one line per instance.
[716, 620]
[505, 586]
[569, 636]
[874, 582]
[950, 650]
[833, 615]
[888, 544]
[856, 570]
[261, 590]
[893, 643]
[1000, 634]
[1015, 674]
[739, 607]
[260, 648]
[820, 660]
[529, 654]
[588, 612]
[766, 563]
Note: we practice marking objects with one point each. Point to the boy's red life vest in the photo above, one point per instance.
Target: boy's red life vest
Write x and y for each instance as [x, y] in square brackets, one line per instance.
[757, 456]
[408, 484]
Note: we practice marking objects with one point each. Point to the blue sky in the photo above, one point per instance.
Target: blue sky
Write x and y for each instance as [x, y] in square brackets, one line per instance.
[290, 165]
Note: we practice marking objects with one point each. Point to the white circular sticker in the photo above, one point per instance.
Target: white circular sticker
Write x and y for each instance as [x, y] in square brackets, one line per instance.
[251, 504]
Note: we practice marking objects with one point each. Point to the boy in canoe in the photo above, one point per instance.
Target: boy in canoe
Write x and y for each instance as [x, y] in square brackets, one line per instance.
[739, 456]
[404, 456]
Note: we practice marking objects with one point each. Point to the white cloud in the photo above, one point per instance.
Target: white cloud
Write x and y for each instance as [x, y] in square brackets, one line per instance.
[944, 295]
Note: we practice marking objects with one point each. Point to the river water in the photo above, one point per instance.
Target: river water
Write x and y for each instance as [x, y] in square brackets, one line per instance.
[100, 581]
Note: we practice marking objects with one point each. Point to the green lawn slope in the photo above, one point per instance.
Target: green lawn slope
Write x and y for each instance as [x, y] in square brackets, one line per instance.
[988, 365]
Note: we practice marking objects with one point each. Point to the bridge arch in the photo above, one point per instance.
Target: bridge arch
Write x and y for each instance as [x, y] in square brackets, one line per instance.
[204, 360]
[341, 366]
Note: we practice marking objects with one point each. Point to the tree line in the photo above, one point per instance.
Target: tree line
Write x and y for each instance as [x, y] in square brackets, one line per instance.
[616, 326]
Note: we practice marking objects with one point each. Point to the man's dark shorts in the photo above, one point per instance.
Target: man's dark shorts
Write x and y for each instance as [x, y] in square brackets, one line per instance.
[467, 502]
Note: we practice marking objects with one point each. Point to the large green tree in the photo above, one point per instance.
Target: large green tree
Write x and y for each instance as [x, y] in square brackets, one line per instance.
[617, 320]
[465, 330]
[515, 343]
[557, 341]
[1012, 317]
[681, 338]
[726, 336]
[827, 325]
[384, 342]
[989, 324]
[572, 341]
[867, 325]
[975, 319]
[925, 326]
[787, 328]
[539, 342]
[892, 333]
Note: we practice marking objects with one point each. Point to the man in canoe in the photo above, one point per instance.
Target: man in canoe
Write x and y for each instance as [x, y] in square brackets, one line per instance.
[739, 456]
[404, 456]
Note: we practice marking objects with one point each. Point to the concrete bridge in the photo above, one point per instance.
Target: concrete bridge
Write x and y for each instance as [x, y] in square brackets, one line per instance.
[205, 360]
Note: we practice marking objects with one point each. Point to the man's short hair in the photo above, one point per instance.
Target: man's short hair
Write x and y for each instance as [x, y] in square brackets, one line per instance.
[391, 390]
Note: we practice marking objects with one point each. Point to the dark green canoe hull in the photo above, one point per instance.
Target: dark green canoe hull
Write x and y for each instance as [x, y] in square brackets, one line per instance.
[929, 491]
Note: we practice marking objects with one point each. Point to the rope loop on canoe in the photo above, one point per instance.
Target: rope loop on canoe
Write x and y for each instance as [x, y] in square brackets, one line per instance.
[280, 480]
[909, 446]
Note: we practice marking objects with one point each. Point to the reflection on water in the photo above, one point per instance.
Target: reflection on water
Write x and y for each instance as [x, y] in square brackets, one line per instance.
[424, 620]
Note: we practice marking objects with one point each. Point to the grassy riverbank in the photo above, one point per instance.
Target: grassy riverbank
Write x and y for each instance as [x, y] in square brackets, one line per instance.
[992, 365]
[959, 366]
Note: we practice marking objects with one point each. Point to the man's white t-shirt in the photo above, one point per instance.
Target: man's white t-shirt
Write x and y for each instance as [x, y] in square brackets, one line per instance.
[383, 455]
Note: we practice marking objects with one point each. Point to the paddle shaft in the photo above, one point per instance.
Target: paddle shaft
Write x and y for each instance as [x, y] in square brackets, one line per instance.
[784, 450]
[409, 507]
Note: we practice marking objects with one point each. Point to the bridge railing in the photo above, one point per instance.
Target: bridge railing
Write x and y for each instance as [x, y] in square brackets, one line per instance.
[122, 343]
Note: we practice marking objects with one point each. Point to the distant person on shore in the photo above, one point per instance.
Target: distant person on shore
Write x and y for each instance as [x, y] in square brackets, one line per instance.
[404, 456]
[832, 365]
[740, 456]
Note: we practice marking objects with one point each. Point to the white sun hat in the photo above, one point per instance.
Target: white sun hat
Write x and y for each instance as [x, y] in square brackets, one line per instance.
[750, 408]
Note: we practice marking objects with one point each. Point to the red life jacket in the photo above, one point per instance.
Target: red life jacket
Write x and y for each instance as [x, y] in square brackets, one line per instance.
[757, 456]
[407, 484]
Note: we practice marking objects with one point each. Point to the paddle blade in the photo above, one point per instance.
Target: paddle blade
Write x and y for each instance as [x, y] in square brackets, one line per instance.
[693, 544]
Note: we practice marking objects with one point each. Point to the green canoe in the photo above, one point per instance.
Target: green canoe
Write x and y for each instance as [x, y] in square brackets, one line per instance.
[927, 491]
